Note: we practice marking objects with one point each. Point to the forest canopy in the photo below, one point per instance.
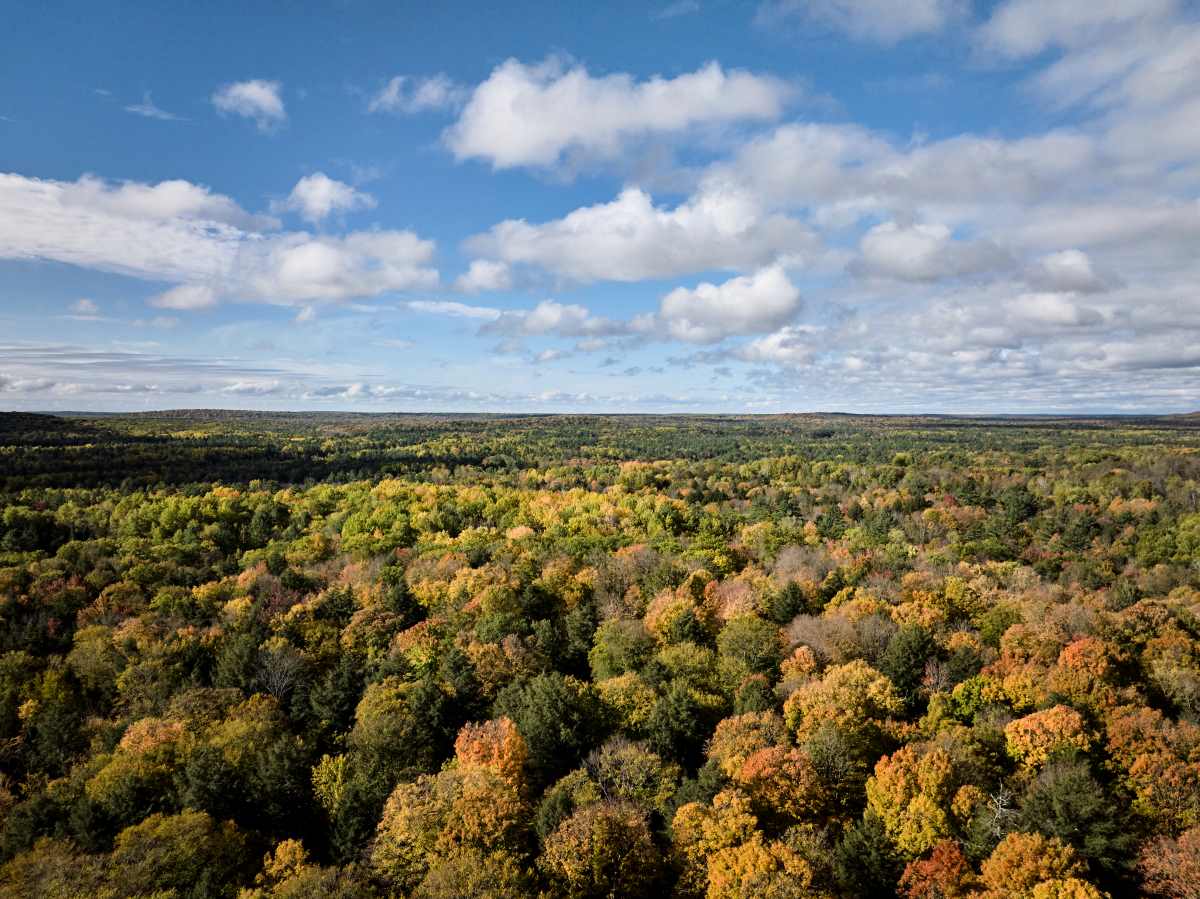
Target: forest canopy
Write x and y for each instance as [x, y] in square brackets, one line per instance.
[283, 655]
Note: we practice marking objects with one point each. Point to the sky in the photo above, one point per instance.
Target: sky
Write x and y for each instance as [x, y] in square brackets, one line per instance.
[943, 206]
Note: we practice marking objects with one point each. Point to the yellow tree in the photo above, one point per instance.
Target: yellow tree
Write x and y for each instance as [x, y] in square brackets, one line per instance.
[911, 791]
[1035, 738]
[603, 850]
[496, 745]
[857, 699]
[1031, 866]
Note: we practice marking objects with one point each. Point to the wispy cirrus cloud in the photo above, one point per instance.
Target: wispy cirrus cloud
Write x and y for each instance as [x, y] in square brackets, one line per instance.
[147, 109]
[884, 21]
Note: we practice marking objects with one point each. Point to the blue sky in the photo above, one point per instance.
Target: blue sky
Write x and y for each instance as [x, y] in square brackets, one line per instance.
[795, 205]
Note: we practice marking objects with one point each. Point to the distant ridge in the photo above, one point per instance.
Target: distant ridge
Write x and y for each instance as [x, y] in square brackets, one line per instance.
[14, 422]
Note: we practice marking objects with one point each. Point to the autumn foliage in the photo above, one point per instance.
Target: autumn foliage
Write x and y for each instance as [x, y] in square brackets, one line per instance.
[599, 657]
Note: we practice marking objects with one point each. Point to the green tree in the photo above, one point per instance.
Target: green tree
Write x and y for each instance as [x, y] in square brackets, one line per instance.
[560, 717]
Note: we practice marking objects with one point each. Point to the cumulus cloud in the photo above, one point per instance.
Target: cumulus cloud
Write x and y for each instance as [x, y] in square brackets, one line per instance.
[806, 163]
[969, 169]
[317, 196]
[1138, 356]
[749, 304]
[550, 317]
[186, 297]
[1162, 223]
[1021, 28]
[292, 268]
[886, 21]
[1138, 63]
[484, 274]
[1053, 309]
[261, 101]
[1068, 271]
[201, 242]
[792, 345]
[172, 231]
[631, 239]
[708, 313]
[174, 199]
[410, 95]
[1053, 269]
[535, 115]
[838, 166]
[923, 252]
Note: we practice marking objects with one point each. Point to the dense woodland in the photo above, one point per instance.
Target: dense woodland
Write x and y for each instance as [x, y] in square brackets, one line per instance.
[340, 655]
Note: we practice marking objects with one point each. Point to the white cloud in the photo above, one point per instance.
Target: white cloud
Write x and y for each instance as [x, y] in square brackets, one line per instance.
[130, 370]
[792, 345]
[806, 163]
[550, 317]
[148, 110]
[969, 169]
[30, 385]
[485, 274]
[295, 268]
[537, 115]
[1159, 223]
[173, 231]
[750, 304]
[1079, 241]
[1021, 28]
[1068, 271]
[181, 233]
[886, 21]
[175, 199]
[630, 239]
[1166, 74]
[186, 297]
[1127, 355]
[85, 307]
[453, 309]
[317, 196]
[410, 95]
[253, 388]
[1136, 63]
[259, 100]
[1053, 309]
[845, 172]
[923, 252]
